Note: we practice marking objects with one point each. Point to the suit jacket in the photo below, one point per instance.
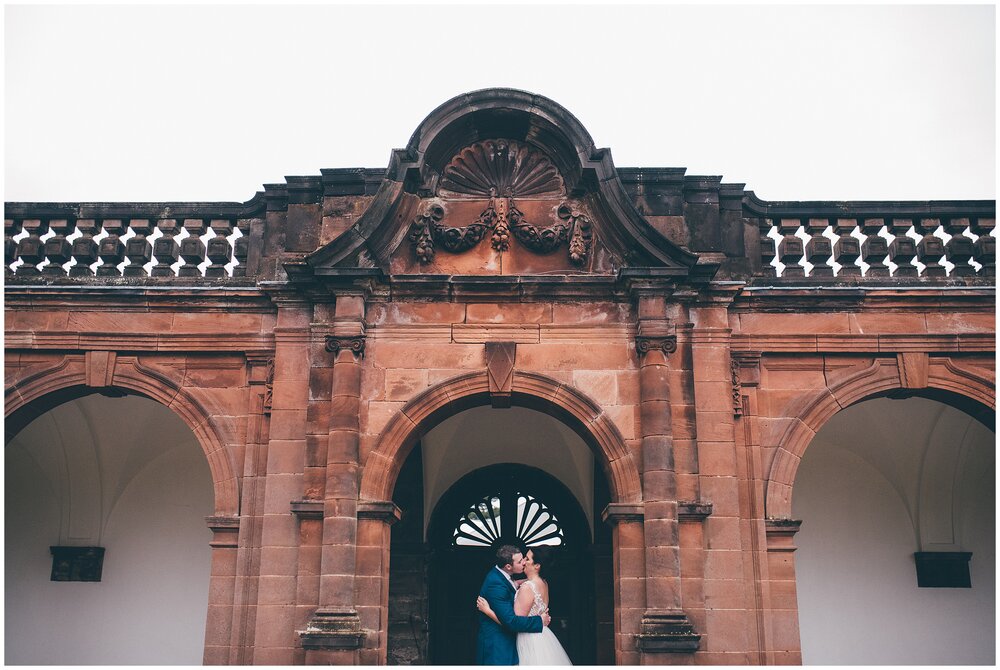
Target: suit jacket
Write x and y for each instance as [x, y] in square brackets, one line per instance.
[497, 645]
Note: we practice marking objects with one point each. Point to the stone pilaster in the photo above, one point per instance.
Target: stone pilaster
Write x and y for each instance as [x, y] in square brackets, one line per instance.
[277, 617]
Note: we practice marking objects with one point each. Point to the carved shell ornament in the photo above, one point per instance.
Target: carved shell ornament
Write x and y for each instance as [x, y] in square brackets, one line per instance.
[502, 170]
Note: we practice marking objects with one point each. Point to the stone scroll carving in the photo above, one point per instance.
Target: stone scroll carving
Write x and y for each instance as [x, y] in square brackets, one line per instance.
[501, 171]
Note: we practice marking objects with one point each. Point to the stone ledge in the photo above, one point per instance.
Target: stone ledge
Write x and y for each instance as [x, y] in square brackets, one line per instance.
[332, 629]
[667, 632]
[307, 509]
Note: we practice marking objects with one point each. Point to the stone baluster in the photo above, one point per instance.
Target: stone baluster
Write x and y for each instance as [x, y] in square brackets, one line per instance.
[241, 248]
[138, 250]
[902, 249]
[165, 249]
[111, 249]
[192, 248]
[985, 247]
[790, 251]
[11, 228]
[959, 249]
[219, 250]
[930, 248]
[874, 249]
[847, 248]
[84, 248]
[818, 249]
[31, 248]
[767, 251]
[57, 248]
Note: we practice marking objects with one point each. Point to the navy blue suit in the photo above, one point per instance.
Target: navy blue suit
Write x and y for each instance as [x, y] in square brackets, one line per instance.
[497, 645]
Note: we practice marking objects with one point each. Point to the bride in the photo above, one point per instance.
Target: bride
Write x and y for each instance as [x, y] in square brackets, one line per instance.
[532, 599]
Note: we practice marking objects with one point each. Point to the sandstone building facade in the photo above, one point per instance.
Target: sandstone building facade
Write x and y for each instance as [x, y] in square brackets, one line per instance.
[757, 432]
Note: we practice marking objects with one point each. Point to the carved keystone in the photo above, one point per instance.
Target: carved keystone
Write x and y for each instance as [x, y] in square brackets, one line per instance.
[500, 371]
[667, 631]
[100, 366]
[913, 370]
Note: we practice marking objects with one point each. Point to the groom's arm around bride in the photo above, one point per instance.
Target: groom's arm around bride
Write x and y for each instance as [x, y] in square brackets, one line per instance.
[495, 644]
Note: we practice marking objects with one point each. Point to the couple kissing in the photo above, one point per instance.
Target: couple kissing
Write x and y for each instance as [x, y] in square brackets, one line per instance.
[514, 615]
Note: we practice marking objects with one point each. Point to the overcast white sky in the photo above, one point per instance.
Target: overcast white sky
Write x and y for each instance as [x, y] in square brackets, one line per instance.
[189, 103]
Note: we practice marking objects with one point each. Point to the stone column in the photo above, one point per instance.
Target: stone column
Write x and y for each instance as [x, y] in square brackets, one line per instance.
[665, 627]
[334, 633]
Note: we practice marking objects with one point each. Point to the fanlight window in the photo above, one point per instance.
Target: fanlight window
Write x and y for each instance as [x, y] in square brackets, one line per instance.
[534, 524]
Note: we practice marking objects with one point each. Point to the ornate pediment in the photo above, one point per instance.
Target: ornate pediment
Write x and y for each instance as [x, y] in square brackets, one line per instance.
[502, 182]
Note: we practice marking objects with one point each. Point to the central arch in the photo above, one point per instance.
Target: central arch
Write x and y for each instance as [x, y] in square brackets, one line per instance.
[529, 389]
[376, 511]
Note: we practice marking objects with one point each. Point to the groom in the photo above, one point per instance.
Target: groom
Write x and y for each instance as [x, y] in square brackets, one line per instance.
[496, 645]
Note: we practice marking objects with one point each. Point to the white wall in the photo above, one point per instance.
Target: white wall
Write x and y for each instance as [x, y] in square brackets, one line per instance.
[126, 474]
[880, 481]
[483, 436]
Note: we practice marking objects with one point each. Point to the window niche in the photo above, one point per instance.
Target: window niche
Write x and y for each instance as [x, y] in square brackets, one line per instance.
[77, 564]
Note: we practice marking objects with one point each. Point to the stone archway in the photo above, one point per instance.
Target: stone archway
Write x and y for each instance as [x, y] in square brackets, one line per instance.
[966, 387]
[72, 376]
[888, 487]
[61, 378]
[122, 478]
[805, 418]
[382, 467]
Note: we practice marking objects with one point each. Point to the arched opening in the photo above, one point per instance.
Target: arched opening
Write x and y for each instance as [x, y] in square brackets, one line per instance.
[883, 481]
[126, 475]
[542, 484]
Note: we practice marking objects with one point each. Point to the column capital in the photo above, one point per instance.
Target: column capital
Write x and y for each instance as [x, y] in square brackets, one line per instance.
[355, 343]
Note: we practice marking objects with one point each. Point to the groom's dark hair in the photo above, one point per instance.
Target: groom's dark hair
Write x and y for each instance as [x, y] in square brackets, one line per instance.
[505, 554]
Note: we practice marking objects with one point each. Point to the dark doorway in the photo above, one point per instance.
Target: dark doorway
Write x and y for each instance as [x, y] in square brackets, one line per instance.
[520, 505]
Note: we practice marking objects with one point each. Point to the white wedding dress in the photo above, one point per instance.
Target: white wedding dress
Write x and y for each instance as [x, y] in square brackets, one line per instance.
[539, 648]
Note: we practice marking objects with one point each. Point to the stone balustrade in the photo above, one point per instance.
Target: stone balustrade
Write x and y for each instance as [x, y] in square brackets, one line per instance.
[210, 248]
[851, 247]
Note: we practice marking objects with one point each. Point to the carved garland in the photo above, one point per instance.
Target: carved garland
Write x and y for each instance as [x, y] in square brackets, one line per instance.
[500, 170]
[502, 217]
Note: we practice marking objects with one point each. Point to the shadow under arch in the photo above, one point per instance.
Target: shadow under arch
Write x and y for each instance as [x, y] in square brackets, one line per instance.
[31, 397]
[960, 388]
[529, 389]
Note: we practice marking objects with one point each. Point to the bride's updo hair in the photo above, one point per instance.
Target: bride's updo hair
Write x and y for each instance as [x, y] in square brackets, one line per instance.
[542, 555]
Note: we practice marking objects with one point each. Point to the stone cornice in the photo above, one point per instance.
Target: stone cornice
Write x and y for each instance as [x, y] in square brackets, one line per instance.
[851, 343]
[71, 211]
[798, 298]
[844, 209]
[124, 342]
[127, 297]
